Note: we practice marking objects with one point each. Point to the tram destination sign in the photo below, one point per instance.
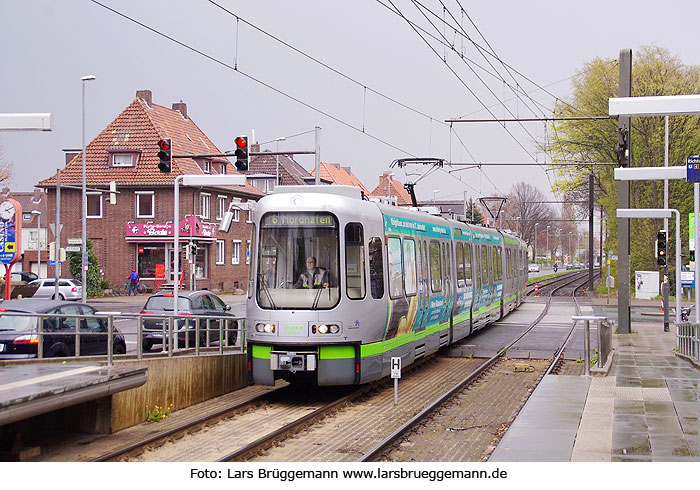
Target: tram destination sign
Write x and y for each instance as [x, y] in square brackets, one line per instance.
[692, 165]
[300, 220]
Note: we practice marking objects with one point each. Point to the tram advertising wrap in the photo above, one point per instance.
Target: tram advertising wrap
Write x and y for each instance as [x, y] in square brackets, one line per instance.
[339, 285]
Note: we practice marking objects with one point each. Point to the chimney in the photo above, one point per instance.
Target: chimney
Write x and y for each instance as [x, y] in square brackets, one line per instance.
[146, 95]
[182, 107]
[255, 147]
[36, 198]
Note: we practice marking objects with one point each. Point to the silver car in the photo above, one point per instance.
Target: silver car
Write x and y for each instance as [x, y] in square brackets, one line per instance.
[68, 289]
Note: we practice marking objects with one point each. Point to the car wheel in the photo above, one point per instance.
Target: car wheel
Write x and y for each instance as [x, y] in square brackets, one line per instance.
[60, 297]
[119, 349]
[146, 346]
[232, 339]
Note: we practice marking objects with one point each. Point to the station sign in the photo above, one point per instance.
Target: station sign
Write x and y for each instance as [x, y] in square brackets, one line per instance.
[692, 167]
[688, 279]
[396, 368]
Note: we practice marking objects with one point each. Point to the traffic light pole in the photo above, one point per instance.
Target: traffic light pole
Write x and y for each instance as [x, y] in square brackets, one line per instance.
[623, 201]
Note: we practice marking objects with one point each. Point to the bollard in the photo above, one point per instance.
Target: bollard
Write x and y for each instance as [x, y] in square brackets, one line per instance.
[537, 289]
[587, 347]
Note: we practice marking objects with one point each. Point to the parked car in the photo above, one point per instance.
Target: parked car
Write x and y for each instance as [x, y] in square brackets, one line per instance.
[19, 337]
[68, 289]
[200, 303]
[533, 268]
[25, 276]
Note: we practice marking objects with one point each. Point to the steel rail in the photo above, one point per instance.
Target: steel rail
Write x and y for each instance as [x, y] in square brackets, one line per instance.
[389, 440]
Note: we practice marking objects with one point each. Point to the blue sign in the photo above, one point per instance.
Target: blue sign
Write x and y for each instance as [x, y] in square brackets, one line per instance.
[692, 166]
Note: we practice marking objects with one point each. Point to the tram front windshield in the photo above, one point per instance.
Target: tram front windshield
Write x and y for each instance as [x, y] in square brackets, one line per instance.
[298, 261]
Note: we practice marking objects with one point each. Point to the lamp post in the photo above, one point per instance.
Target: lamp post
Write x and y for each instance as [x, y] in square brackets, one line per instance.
[37, 213]
[569, 247]
[549, 255]
[84, 262]
[534, 247]
[434, 194]
[277, 174]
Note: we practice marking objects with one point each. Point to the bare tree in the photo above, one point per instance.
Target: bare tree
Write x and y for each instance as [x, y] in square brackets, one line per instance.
[526, 210]
[5, 169]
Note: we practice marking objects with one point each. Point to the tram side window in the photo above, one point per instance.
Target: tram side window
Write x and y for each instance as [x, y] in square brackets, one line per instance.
[484, 266]
[448, 261]
[354, 261]
[460, 265]
[435, 273]
[409, 266]
[376, 268]
[424, 266]
[499, 264]
[468, 265]
[393, 246]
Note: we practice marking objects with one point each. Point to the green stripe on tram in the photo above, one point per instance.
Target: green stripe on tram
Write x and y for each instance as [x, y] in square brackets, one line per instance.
[336, 352]
[377, 348]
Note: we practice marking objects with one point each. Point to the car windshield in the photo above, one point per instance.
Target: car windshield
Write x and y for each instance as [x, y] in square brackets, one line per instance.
[298, 263]
[166, 303]
[11, 323]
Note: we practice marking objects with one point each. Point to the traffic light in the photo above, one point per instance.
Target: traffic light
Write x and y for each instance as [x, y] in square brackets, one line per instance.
[193, 249]
[241, 153]
[165, 154]
[661, 248]
[692, 255]
[622, 144]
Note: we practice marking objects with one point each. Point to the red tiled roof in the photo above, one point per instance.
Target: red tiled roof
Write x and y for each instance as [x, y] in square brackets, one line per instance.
[291, 173]
[339, 175]
[403, 198]
[138, 128]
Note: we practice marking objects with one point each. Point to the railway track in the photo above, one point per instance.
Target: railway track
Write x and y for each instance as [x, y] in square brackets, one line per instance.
[271, 419]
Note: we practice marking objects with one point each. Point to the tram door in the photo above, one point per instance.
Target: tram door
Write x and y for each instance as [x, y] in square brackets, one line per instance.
[447, 275]
[423, 298]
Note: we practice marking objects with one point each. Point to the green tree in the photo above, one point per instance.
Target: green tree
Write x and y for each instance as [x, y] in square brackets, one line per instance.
[474, 216]
[655, 71]
[94, 281]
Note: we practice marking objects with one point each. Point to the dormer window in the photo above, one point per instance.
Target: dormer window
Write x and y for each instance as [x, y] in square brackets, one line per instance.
[126, 158]
[206, 166]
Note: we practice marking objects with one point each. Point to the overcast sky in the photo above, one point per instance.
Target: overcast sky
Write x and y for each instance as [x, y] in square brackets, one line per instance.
[47, 46]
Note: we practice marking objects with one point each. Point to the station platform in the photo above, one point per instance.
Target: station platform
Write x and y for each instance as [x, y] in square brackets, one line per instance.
[27, 390]
[647, 408]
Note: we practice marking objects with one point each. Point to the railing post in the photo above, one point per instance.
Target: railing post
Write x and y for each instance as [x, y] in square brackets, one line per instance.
[139, 337]
[77, 336]
[587, 347]
[170, 336]
[110, 340]
[40, 345]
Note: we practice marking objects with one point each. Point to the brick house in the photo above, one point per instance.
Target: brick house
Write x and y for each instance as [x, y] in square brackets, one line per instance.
[34, 230]
[137, 231]
[393, 189]
[335, 174]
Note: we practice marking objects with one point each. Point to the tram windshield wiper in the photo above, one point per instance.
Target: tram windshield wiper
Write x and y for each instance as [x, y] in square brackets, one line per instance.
[261, 282]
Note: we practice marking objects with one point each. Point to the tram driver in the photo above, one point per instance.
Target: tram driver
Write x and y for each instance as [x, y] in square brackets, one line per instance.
[313, 277]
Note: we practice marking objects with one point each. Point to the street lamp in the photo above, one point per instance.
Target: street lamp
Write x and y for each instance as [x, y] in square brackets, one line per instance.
[277, 175]
[534, 247]
[37, 213]
[549, 254]
[434, 194]
[569, 247]
[84, 262]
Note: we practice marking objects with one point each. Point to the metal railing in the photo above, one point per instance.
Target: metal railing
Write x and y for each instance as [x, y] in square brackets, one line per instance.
[211, 334]
[587, 340]
[688, 338]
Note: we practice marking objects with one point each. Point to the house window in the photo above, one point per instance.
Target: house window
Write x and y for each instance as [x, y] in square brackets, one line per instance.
[222, 169]
[94, 205]
[123, 159]
[145, 205]
[220, 251]
[26, 216]
[236, 214]
[220, 207]
[204, 205]
[236, 252]
[206, 166]
[250, 216]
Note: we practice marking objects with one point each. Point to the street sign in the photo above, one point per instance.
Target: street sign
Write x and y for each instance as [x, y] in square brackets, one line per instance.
[692, 167]
[52, 227]
[691, 231]
[613, 257]
[610, 282]
[396, 367]
[73, 248]
[688, 279]
[75, 241]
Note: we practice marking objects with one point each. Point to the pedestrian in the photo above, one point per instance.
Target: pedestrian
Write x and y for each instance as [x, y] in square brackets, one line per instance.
[133, 282]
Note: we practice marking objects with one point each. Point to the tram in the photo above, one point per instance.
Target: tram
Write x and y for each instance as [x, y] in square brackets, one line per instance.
[340, 284]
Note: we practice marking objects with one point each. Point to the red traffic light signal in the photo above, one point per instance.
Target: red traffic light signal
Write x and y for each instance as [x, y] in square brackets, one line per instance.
[165, 155]
[241, 152]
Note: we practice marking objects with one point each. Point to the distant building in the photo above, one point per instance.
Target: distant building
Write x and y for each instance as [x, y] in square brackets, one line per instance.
[137, 232]
[393, 189]
[335, 174]
[263, 171]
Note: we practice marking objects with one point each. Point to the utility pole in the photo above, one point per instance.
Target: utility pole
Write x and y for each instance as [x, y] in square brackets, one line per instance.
[664, 282]
[590, 232]
[624, 128]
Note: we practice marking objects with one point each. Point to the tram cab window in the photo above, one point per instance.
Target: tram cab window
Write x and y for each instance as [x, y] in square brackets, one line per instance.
[303, 250]
[435, 272]
[393, 246]
[376, 268]
[409, 266]
[459, 251]
[354, 261]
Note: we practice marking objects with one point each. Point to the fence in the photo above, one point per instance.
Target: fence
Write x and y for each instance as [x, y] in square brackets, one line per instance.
[688, 336]
[72, 335]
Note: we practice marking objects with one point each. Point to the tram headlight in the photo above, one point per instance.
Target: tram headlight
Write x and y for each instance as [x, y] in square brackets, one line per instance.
[325, 328]
[265, 327]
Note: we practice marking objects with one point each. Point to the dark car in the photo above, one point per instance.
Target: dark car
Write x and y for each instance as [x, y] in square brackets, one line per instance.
[197, 303]
[25, 276]
[19, 334]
